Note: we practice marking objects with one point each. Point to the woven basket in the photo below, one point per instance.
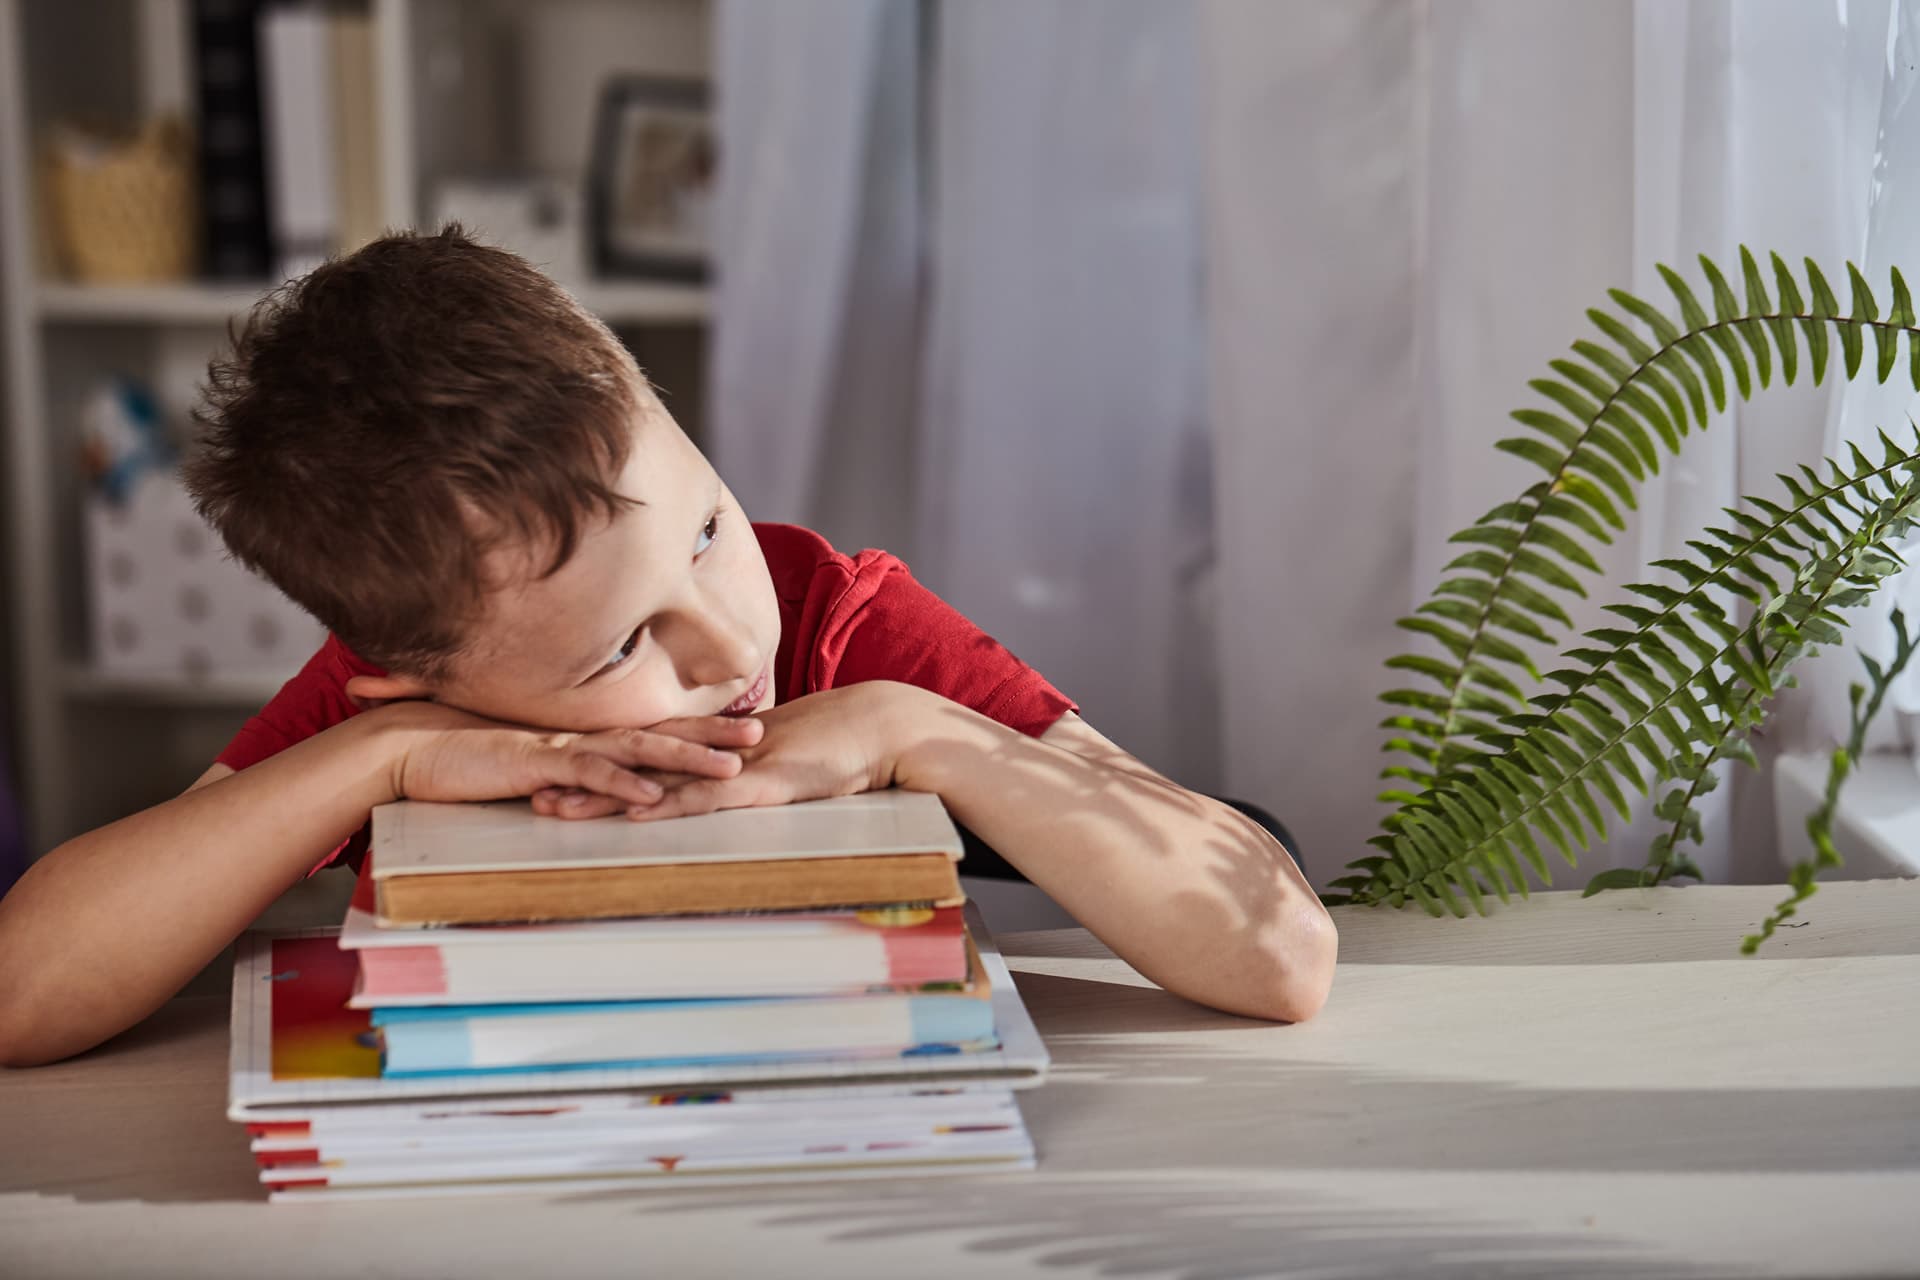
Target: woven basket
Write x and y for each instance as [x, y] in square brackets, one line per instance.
[123, 210]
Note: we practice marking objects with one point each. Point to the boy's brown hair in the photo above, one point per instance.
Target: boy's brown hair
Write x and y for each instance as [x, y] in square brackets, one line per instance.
[384, 422]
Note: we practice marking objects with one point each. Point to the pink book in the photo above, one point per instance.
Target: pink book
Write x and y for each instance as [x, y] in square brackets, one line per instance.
[687, 957]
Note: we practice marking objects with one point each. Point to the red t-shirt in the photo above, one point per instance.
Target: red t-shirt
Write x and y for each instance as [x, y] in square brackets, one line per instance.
[843, 620]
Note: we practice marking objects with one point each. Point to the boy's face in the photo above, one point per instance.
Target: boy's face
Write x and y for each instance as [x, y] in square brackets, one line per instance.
[667, 611]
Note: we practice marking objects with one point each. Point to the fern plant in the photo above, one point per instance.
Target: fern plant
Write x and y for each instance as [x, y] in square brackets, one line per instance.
[1501, 762]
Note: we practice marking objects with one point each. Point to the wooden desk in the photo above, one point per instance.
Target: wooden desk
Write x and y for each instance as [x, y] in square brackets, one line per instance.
[1597, 1087]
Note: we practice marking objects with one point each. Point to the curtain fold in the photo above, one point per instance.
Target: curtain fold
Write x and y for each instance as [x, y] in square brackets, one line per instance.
[1062, 403]
[1311, 179]
[1759, 123]
[796, 99]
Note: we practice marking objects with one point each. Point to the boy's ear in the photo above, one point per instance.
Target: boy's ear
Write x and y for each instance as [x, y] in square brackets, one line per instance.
[371, 691]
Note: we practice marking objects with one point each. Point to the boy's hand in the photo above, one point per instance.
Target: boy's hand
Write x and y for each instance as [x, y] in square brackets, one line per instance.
[451, 755]
[833, 743]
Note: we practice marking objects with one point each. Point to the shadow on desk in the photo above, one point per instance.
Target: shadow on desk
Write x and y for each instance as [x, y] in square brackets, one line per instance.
[1177, 1227]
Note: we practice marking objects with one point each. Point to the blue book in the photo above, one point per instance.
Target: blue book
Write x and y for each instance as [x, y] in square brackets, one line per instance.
[501, 1037]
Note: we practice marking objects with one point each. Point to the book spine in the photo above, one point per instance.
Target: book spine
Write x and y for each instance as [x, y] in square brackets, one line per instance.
[235, 226]
[296, 66]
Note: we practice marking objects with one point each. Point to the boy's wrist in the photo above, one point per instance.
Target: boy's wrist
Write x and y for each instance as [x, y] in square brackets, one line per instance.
[388, 733]
[894, 716]
[932, 739]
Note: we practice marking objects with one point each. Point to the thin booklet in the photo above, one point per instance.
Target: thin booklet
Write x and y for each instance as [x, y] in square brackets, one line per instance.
[498, 862]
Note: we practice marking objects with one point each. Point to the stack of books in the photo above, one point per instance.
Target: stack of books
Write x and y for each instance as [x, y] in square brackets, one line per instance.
[519, 1003]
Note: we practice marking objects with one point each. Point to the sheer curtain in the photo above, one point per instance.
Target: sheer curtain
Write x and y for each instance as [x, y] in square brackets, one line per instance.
[1171, 342]
[1313, 169]
[1780, 126]
[1062, 501]
[1005, 385]
[1547, 149]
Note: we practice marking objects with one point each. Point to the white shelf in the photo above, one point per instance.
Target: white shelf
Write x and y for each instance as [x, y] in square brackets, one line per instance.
[83, 682]
[185, 303]
[644, 302]
[616, 302]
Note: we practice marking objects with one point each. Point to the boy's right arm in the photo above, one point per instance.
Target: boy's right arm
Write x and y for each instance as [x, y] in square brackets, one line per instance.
[104, 929]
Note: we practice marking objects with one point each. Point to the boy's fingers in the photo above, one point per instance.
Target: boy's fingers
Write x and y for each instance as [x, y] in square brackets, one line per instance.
[645, 749]
[583, 804]
[590, 771]
[704, 795]
[714, 731]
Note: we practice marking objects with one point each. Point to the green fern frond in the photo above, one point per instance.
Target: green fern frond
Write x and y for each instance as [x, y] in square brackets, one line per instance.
[1606, 419]
[1865, 705]
[1657, 699]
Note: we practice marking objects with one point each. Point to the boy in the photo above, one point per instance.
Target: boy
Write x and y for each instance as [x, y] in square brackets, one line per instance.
[536, 586]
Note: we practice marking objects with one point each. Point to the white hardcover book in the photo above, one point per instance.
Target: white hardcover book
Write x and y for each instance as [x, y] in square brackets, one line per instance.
[296, 101]
[416, 837]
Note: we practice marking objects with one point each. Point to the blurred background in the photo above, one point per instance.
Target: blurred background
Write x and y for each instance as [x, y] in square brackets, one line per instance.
[1168, 341]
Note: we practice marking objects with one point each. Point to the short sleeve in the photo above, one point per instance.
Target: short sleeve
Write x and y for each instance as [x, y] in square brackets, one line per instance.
[885, 625]
[313, 701]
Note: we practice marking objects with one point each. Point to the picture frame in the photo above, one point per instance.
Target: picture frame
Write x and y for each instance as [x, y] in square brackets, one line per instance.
[650, 182]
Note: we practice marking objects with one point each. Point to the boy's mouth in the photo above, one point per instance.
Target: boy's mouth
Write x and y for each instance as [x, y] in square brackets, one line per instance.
[747, 701]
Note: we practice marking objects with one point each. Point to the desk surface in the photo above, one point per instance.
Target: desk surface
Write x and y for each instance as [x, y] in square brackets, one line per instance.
[1598, 1087]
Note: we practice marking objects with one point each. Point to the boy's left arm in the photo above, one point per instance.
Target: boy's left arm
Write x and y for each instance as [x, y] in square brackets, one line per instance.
[1193, 894]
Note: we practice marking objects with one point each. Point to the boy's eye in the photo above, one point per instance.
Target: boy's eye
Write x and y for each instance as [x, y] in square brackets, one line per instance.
[708, 532]
[626, 650]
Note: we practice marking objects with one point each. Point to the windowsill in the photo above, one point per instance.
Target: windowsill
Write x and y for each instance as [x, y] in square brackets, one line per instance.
[1876, 825]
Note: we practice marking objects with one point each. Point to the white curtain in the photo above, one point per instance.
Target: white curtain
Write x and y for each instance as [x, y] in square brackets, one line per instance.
[813, 369]
[1065, 409]
[1312, 171]
[1039, 455]
[1196, 349]
[1778, 125]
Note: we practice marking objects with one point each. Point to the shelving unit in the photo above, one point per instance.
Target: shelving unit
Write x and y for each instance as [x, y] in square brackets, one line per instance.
[465, 87]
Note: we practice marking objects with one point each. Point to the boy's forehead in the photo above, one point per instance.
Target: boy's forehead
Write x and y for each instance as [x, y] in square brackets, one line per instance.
[553, 618]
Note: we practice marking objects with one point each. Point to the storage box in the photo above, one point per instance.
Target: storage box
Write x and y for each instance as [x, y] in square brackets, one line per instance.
[123, 209]
[167, 601]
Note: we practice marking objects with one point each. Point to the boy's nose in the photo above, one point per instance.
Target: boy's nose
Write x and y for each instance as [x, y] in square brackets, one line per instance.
[716, 650]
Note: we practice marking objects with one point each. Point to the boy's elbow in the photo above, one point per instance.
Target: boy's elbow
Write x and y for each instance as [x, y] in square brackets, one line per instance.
[1300, 962]
[31, 1034]
[17, 1039]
